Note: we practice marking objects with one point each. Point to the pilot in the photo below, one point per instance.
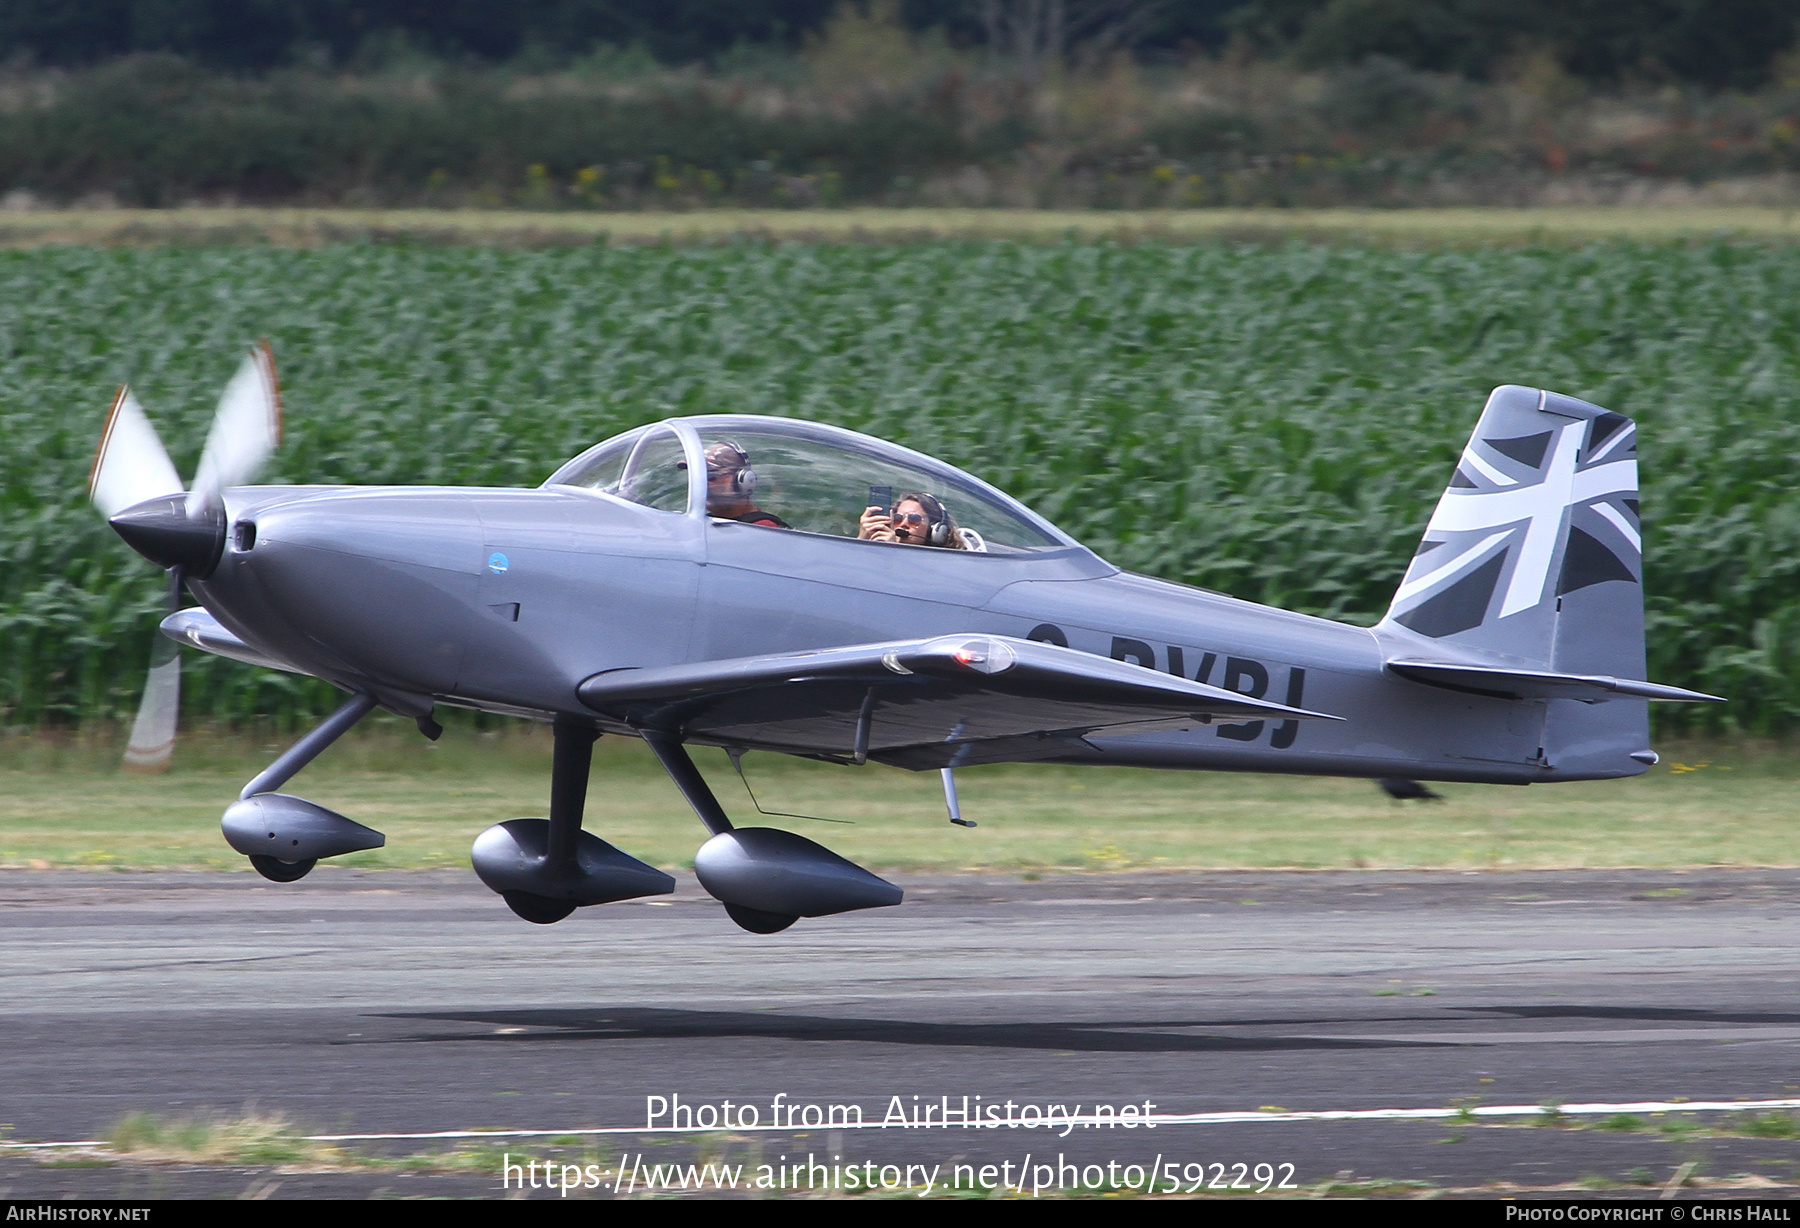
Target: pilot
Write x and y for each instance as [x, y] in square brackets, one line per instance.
[731, 487]
[918, 519]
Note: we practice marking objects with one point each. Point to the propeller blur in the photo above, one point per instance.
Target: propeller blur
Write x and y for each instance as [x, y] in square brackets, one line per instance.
[135, 486]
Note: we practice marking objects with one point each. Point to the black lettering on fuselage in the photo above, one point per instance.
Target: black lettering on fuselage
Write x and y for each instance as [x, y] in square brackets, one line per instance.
[1135, 651]
[1242, 675]
[1178, 666]
[1287, 731]
[1240, 670]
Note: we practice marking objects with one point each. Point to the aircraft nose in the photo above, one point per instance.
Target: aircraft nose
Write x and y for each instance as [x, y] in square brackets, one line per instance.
[161, 530]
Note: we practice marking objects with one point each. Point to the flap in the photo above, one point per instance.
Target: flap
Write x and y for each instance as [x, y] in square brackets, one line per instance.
[922, 703]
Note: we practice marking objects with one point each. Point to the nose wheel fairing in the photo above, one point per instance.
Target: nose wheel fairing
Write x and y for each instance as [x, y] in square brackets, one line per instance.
[285, 836]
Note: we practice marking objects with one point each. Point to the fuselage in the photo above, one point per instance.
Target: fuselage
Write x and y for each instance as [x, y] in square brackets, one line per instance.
[506, 600]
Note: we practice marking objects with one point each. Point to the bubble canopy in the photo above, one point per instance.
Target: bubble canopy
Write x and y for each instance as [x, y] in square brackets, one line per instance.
[811, 477]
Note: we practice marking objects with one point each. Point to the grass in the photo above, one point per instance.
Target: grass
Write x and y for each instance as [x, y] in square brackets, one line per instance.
[257, 1138]
[254, 1138]
[1453, 226]
[1769, 1125]
[1675, 1127]
[65, 804]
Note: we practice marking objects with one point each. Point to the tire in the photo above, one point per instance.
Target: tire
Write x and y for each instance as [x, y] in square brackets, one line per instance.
[537, 909]
[757, 921]
[278, 871]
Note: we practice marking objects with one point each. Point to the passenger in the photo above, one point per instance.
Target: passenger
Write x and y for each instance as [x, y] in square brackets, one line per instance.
[731, 488]
[918, 519]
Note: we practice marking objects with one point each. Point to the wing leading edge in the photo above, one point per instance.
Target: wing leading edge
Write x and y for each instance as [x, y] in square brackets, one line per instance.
[950, 701]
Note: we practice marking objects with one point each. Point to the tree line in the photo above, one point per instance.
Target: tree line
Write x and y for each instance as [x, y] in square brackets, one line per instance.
[1713, 43]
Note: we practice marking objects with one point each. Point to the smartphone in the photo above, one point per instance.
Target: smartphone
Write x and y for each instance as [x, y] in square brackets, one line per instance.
[881, 497]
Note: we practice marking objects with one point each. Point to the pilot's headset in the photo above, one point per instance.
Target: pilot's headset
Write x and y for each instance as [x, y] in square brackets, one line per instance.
[729, 457]
[938, 534]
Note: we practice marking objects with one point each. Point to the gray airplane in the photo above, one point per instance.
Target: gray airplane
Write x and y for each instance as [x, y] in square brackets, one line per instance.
[769, 584]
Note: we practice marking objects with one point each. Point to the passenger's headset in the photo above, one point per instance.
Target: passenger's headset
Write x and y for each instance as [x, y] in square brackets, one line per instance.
[938, 532]
[743, 477]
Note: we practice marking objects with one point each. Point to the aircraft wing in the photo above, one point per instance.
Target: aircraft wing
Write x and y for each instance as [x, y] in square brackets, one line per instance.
[942, 702]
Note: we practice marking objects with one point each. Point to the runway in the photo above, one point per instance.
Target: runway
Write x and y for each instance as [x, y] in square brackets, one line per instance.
[378, 1002]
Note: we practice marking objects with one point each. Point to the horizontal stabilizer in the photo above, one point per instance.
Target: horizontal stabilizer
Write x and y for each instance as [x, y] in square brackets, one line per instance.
[1539, 684]
[199, 629]
[932, 703]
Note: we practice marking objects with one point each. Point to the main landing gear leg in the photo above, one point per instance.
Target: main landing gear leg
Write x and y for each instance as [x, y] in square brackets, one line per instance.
[766, 878]
[547, 868]
[571, 762]
[687, 778]
[699, 794]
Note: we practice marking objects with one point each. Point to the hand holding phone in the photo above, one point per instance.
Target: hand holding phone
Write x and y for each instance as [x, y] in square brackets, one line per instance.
[876, 522]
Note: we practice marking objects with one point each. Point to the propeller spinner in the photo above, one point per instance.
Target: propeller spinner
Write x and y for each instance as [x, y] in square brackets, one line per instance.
[136, 487]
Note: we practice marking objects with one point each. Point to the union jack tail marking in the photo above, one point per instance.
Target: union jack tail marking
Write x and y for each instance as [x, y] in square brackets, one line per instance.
[1544, 503]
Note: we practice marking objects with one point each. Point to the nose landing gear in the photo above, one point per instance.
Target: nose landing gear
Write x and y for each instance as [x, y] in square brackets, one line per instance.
[283, 836]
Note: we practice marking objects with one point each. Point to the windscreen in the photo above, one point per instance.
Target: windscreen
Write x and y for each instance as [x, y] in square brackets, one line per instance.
[647, 467]
[822, 485]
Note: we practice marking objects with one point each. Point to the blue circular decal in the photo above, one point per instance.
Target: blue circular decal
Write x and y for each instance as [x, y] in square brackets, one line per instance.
[497, 562]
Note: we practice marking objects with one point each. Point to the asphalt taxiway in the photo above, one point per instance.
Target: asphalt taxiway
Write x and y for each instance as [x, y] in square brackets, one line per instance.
[371, 1003]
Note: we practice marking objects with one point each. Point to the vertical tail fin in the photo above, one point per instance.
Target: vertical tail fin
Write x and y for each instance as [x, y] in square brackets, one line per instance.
[1533, 554]
[1533, 558]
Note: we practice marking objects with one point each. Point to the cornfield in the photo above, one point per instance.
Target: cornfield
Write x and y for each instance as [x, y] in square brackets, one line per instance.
[1273, 422]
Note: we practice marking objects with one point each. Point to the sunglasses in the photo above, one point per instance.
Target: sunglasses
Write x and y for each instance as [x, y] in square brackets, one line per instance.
[908, 518]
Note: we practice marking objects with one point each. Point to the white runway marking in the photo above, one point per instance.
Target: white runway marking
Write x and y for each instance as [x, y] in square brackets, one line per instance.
[1228, 1117]
[1584, 1036]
